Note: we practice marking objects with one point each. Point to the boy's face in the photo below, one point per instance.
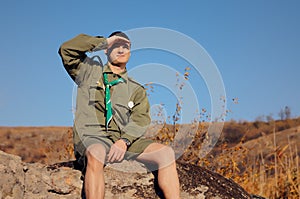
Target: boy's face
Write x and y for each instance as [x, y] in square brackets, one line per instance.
[119, 52]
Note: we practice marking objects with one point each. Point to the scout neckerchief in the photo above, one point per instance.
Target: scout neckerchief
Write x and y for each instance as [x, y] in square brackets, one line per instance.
[107, 97]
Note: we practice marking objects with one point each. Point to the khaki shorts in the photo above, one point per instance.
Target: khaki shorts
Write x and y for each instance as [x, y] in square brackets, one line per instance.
[133, 151]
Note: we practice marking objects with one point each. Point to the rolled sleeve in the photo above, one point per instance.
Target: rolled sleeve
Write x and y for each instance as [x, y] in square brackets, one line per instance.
[73, 54]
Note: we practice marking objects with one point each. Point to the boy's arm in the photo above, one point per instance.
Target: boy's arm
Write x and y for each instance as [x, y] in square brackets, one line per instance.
[73, 54]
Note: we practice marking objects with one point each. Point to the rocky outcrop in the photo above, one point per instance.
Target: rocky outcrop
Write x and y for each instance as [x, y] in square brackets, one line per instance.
[61, 181]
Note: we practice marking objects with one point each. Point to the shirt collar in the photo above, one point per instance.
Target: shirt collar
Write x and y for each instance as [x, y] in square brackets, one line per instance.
[106, 69]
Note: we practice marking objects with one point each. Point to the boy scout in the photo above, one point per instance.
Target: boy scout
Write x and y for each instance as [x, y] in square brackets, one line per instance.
[112, 113]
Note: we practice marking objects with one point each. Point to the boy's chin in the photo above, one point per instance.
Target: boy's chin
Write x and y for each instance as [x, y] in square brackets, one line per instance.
[118, 62]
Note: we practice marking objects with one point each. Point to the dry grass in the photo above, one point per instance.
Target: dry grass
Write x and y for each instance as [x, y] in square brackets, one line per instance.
[259, 157]
[38, 144]
[267, 166]
[263, 157]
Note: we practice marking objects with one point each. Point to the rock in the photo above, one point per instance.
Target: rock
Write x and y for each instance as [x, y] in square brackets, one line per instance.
[44, 182]
[127, 180]
[198, 182]
[12, 177]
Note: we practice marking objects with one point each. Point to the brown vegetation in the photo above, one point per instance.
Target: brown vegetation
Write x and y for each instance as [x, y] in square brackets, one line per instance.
[38, 144]
[263, 157]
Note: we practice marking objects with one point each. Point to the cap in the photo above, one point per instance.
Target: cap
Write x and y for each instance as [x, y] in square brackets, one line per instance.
[120, 34]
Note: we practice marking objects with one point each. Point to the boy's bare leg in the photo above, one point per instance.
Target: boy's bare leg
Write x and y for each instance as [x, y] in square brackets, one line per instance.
[164, 157]
[94, 184]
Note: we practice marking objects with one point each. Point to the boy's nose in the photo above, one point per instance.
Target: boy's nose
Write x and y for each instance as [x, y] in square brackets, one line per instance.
[121, 49]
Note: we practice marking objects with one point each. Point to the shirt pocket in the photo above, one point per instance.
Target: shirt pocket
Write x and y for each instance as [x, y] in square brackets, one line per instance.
[96, 95]
[96, 105]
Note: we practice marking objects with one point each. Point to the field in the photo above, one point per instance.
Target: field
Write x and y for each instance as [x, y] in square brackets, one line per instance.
[262, 157]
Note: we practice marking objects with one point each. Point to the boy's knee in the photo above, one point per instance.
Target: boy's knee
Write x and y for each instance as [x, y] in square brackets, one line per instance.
[170, 151]
[95, 155]
[165, 156]
[169, 154]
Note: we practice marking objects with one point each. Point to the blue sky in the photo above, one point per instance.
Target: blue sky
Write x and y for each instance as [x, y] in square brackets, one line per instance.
[254, 44]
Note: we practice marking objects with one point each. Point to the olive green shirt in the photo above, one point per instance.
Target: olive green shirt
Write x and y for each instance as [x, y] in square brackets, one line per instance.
[129, 99]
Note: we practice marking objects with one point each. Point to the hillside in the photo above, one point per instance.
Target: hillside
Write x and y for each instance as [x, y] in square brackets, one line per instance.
[245, 152]
[49, 145]
[38, 144]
